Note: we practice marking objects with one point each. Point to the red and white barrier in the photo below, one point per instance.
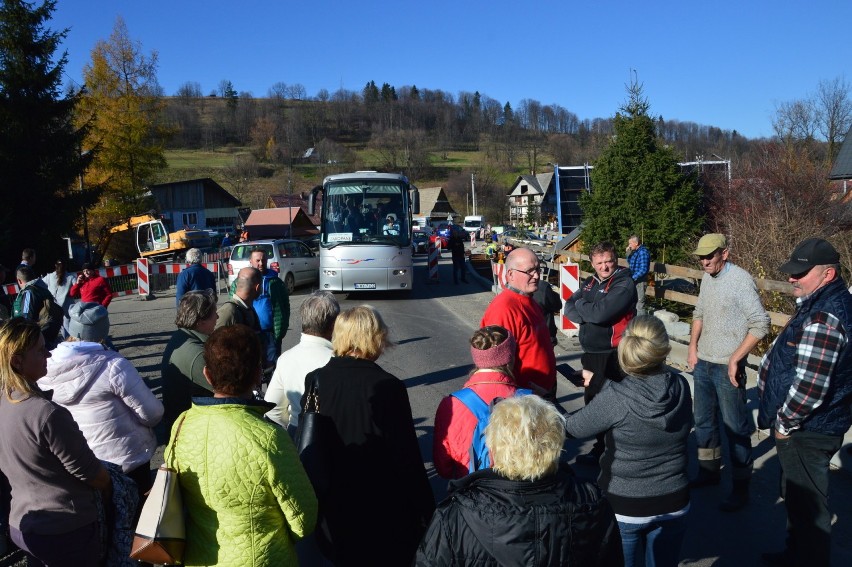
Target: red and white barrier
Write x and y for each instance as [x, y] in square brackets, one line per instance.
[498, 270]
[143, 277]
[434, 254]
[569, 283]
[143, 269]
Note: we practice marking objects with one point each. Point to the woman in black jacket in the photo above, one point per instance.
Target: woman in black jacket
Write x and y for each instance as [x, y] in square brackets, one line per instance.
[379, 499]
[526, 509]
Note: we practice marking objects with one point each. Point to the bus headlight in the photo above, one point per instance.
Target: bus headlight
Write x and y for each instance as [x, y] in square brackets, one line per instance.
[331, 273]
[400, 272]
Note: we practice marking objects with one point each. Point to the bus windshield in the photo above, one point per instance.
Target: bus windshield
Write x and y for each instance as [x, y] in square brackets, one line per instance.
[366, 212]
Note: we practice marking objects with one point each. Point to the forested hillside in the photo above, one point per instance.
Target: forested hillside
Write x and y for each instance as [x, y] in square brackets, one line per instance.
[257, 146]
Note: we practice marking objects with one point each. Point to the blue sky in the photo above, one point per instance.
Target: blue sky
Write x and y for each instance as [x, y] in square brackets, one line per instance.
[725, 63]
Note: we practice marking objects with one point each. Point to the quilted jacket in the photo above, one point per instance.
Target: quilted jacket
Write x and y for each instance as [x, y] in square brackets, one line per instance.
[488, 520]
[108, 399]
[247, 496]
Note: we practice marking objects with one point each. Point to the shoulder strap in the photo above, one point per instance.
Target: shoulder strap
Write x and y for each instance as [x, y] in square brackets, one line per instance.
[473, 402]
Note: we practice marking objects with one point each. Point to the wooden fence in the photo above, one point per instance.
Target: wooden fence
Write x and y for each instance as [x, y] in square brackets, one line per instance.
[662, 272]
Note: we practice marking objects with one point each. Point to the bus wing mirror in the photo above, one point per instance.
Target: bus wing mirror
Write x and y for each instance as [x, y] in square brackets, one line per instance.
[312, 200]
[415, 201]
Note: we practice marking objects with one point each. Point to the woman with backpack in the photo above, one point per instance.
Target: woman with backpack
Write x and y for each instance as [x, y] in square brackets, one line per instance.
[456, 424]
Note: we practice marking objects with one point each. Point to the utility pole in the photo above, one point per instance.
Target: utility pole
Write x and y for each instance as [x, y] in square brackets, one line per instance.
[473, 193]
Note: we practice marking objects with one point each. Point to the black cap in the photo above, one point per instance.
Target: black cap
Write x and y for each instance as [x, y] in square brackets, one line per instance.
[809, 253]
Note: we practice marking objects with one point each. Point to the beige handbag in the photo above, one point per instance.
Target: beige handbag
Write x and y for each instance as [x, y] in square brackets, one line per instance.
[161, 532]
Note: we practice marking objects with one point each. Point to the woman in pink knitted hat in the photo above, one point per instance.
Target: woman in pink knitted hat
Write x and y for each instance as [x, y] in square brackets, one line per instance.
[493, 352]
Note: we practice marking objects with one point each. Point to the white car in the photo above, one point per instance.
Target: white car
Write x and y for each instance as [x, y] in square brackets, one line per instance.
[294, 261]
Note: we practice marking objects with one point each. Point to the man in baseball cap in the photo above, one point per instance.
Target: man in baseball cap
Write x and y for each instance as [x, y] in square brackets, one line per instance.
[728, 322]
[804, 384]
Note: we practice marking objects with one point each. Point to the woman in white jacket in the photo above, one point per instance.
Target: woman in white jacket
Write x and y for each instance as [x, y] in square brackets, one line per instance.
[107, 397]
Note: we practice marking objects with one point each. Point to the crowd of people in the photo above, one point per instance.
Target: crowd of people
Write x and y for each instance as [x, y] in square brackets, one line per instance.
[79, 419]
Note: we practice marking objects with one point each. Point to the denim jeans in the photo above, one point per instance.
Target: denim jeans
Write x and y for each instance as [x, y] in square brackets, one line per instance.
[804, 458]
[715, 393]
[271, 347]
[658, 541]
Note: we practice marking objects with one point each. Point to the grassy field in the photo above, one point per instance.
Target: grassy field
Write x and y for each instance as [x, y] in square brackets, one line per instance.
[200, 159]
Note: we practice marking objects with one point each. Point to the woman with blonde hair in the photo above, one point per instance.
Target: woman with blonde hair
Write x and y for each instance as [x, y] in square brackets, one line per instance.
[379, 499]
[646, 417]
[526, 509]
[53, 474]
[493, 351]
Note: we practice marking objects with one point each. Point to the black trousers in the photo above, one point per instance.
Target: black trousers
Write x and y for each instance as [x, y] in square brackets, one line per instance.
[604, 366]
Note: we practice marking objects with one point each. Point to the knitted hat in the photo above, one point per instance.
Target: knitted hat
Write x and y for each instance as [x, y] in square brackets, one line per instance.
[89, 322]
[499, 355]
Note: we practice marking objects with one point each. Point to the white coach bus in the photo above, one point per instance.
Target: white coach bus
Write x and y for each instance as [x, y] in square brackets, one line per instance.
[365, 231]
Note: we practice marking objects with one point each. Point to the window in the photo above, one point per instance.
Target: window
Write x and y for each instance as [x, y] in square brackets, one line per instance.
[190, 219]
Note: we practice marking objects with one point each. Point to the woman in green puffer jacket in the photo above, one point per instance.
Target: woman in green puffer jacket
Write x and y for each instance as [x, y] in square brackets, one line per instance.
[247, 496]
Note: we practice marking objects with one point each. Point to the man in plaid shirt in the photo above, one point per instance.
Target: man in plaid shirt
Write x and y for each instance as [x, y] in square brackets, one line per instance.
[805, 387]
[639, 260]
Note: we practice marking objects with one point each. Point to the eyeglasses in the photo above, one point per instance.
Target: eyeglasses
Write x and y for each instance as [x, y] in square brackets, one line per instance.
[532, 272]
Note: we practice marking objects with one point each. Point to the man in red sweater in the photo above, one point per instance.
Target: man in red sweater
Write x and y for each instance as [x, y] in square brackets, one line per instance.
[516, 310]
[91, 287]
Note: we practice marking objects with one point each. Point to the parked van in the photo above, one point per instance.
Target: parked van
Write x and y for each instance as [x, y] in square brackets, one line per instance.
[472, 223]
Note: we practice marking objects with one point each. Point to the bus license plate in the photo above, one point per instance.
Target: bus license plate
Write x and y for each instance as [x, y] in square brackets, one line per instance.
[365, 286]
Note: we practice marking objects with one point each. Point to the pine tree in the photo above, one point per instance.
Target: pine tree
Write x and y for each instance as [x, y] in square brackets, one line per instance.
[121, 102]
[638, 188]
[40, 161]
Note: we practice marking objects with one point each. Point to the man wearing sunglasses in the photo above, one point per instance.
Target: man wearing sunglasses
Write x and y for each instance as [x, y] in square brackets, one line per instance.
[516, 310]
[805, 386]
[727, 323]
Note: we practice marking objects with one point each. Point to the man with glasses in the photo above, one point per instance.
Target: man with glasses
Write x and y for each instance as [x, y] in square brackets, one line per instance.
[602, 307]
[805, 385]
[516, 310]
[727, 324]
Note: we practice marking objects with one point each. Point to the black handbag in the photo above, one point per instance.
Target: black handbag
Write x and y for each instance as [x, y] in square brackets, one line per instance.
[314, 444]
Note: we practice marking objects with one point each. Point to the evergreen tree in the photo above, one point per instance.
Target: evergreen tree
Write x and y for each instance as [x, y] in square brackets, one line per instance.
[638, 188]
[121, 103]
[40, 161]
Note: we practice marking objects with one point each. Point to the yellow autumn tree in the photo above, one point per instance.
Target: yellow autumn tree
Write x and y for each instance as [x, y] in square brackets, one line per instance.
[121, 102]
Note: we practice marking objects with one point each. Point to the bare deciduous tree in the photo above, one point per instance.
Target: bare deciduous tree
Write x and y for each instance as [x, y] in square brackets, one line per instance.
[834, 112]
[776, 202]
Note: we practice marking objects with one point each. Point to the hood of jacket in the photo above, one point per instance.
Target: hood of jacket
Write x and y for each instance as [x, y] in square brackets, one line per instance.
[73, 367]
[656, 400]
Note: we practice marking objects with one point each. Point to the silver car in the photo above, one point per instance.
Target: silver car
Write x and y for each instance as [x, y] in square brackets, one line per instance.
[295, 263]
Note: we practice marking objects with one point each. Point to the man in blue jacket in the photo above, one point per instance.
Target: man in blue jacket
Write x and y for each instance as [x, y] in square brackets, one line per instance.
[805, 386]
[196, 277]
[272, 308]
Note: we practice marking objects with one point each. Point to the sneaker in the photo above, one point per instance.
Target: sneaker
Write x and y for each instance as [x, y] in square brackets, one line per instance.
[590, 459]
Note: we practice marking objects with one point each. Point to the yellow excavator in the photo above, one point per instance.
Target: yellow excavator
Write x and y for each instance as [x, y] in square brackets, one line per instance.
[146, 236]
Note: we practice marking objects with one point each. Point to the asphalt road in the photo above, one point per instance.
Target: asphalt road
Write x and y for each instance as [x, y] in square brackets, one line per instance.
[430, 329]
